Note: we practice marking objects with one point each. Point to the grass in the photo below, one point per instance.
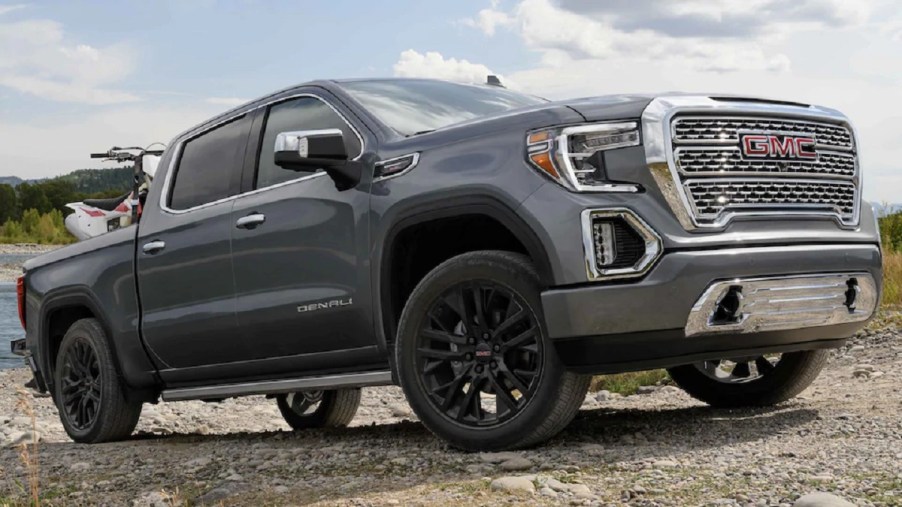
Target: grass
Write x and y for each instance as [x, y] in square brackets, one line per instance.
[892, 279]
[628, 383]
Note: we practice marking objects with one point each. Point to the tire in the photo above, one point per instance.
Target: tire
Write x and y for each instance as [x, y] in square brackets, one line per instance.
[779, 382]
[326, 409]
[90, 395]
[534, 396]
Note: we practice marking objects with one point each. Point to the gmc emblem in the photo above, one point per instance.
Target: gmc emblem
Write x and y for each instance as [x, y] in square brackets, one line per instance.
[778, 146]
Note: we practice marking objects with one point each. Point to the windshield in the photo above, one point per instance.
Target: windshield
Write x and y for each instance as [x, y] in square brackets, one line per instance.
[413, 106]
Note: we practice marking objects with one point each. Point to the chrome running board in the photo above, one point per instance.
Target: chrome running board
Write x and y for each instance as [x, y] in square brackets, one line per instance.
[373, 378]
[755, 305]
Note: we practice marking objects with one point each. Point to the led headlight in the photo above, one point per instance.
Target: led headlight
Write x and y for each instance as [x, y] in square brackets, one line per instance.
[573, 156]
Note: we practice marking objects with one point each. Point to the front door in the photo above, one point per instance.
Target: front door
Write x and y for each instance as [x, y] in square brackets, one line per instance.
[300, 255]
[184, 261]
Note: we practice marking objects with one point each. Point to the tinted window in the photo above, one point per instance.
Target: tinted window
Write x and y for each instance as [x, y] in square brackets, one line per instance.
[208, 166]
[410, 106]
[305, 113]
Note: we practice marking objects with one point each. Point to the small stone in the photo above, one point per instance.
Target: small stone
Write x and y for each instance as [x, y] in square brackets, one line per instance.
[400, 411]
[592, 448]
[514, 485]
[220, 492]
[546, 491]
[497, 457]
[280, 489]
[646, 389]
[603, 396]
[820, 499]
[516, 464]
[155, 499]
[81, 466]
[822, 477]
[665, 463]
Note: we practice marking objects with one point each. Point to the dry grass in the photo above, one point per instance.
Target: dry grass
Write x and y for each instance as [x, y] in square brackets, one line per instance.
[892, 279]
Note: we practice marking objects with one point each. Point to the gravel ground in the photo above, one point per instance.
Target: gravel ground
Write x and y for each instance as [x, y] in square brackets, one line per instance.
[843, 435]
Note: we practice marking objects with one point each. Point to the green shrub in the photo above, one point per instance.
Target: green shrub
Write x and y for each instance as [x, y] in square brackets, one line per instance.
[35, 227]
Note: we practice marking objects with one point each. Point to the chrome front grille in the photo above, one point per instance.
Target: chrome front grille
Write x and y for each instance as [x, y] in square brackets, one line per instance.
[714, 174]
[712, 197]
[726, 129]
[721, 161]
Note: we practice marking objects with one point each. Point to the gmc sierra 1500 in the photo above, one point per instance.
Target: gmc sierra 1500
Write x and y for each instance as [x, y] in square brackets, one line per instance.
[485, 249]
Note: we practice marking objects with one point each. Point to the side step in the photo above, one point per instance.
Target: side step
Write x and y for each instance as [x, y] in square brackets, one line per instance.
[373, 378]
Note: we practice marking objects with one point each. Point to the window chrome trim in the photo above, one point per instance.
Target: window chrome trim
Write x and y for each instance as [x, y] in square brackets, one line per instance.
[168, 182]
[653, 244]
[413, 163]
[657, 124]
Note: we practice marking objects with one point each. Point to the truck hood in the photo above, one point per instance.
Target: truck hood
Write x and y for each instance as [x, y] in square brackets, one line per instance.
[609, 107]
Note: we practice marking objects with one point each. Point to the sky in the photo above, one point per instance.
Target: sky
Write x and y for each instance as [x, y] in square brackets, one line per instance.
[78, 77]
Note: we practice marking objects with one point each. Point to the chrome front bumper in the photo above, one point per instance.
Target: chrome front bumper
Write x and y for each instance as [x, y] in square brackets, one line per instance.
[752, 305]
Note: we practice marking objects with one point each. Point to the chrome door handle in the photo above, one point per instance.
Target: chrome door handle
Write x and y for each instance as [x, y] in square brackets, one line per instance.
[153, 247]
[250, 221]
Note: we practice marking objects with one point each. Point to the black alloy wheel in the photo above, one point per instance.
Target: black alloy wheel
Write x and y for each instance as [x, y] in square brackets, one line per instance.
[479, 354]
[81, 384]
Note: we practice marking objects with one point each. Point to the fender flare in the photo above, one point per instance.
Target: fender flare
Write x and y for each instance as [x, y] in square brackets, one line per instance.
[487, 205]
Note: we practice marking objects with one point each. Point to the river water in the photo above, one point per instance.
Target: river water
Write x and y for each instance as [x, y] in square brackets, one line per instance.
[10, 329]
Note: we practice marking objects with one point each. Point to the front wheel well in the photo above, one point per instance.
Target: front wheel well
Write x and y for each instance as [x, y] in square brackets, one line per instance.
[419, 248]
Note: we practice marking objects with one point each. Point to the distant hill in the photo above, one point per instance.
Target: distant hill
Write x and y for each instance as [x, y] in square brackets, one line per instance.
[87, 181]
[10, 180]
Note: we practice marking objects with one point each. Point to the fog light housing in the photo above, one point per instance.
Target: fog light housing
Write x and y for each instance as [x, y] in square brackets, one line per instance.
[618, 244]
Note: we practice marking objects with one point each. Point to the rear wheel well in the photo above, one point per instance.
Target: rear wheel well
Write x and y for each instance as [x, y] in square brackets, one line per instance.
[58, 323]
[419, 248]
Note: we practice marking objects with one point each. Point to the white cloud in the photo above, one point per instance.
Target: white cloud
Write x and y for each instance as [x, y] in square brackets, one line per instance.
[60, 143]
[37, 59]
[712, 35]
[433, 65]
[10, 8]
[225, 101]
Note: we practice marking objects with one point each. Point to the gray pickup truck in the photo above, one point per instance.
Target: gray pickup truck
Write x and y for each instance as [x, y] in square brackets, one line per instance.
[486, 250]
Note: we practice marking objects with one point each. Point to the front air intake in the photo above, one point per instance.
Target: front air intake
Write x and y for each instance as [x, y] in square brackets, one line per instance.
[618, 244]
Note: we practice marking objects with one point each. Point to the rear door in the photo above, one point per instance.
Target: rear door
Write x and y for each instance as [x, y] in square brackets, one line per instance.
[184, 261]
[301, 268]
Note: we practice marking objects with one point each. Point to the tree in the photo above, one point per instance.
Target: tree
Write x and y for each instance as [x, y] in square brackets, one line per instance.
[33, 197]
[8, 203]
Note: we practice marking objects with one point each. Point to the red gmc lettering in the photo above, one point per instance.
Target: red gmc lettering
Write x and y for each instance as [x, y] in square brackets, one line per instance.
[772, 146]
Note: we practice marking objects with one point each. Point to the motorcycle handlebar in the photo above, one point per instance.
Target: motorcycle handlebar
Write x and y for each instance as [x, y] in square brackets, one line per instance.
[100, 155]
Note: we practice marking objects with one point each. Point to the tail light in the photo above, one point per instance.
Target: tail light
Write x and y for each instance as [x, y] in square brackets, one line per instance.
[20, 296]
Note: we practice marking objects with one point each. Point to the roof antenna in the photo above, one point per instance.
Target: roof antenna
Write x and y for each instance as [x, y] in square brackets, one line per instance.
[493, 80]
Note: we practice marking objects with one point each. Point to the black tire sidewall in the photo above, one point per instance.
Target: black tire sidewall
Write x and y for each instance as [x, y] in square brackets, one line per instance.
[89, 331]
[514, 277]
[319, 418]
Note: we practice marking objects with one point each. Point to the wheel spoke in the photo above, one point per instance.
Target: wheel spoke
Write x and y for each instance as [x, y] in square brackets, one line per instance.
[510, 322]
[519, 340]
[764, 366]
[445, 337]
[444, 355]
[472, 394]
[501, 393]
[509, 375]
[742, 370]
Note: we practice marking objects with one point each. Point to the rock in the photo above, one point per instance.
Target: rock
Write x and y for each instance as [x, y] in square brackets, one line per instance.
[220, 492]
[603, 396]
[665, 463]
[398, 410]
[592, 448]
[516, 464]
[81, 466]
[155, 499]
[646, 389]
[281, 490]
[546, 491]
[498, 457]
[820, 499]
[514, 485]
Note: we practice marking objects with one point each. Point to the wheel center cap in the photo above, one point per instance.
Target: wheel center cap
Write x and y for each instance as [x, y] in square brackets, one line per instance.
[483, 353]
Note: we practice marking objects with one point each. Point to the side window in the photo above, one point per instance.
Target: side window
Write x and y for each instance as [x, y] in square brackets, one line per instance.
[305, 113]
[208, 166]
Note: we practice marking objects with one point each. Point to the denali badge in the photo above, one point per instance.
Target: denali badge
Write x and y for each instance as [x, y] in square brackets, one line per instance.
[778, 146]
[335, 303]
